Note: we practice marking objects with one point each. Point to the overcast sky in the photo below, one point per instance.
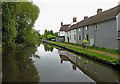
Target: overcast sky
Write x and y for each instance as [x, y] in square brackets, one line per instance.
[53, 12]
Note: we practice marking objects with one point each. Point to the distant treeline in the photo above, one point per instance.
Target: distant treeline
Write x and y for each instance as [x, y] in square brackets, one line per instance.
[49, 34]
[18, 19]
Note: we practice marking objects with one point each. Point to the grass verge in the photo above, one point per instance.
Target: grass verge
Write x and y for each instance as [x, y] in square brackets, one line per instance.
[112, 51]
[94, 55]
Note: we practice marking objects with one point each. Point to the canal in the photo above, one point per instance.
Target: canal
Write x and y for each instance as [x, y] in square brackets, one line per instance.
[48, 63]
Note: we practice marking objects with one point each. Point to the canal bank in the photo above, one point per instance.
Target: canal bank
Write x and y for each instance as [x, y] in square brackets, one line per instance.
[49, 63]
[113, 61]
[59, 65]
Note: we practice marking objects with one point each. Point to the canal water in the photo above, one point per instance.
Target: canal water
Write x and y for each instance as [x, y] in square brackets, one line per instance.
[48, 63]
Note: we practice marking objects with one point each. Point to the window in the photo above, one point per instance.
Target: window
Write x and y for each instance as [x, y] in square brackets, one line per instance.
[86, 28]
[74, 31]
[96, 27]
[118, 34]
[74, 37]
[79, 29]
[70, 37]
[79, 37]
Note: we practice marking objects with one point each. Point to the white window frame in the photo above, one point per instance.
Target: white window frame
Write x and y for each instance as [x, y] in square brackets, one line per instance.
[86, 28]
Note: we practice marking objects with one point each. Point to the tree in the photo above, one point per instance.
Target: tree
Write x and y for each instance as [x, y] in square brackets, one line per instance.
[51, 32]
[56, 34]
[18, 22]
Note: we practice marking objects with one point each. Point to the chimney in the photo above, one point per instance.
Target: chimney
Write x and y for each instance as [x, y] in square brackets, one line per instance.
[86, 17]
[99, 11]
[61, 23]
[74, 19]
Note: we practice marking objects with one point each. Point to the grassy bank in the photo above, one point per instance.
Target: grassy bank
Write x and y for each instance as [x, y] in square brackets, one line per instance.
[91, 54]
[112, 51]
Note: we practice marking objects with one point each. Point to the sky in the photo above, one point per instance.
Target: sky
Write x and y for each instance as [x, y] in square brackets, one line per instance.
[53, 12]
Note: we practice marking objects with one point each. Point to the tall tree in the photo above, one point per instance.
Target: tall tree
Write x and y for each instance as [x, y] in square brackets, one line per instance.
[18, 20]
[51, 32]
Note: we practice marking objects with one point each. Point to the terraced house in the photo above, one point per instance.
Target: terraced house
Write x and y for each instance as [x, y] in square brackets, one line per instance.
[102, 29]
[62, 34]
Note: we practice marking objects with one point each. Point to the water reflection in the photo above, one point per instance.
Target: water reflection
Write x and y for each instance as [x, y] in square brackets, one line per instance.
[48, 47]
[0, 63]
[17, 66]
[58, 65]
[97, 71]
[55, 68]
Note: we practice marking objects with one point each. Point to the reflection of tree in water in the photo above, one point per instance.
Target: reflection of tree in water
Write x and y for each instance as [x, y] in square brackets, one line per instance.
[17, 67]
[48, 47]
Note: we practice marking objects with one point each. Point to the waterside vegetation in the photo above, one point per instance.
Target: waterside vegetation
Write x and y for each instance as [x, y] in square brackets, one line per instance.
[90, 54]
[112, 51]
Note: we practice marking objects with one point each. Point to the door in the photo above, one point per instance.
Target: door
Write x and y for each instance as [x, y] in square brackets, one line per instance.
[68, 39]
[91, 40]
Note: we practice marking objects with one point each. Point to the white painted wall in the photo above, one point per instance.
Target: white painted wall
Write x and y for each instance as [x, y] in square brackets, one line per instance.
[73, 32]
[62, 33]
[66, 35]
[118, 22]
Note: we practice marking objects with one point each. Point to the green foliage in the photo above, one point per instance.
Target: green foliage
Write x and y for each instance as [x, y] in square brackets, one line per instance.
[50, 34]
[18, 18]
[55, 34]
[48, 47]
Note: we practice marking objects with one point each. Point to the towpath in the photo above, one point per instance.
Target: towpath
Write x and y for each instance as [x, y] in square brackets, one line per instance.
[97, 51]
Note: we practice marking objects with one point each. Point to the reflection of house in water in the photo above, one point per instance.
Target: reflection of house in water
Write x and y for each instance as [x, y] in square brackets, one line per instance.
[74, 67]
[96, 71]
[63, 57]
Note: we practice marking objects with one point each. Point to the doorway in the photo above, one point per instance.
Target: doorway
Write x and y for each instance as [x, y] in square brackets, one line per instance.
[68, 39]
[91, 40]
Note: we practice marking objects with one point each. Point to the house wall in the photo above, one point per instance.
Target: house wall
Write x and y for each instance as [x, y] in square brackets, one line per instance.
[106, 35]
[118, 29]
[66, 36]
[91, 33]
[62, 33]
[70, 36]
[73, 32]
[118, 22]
[79, 32]
[60, 39]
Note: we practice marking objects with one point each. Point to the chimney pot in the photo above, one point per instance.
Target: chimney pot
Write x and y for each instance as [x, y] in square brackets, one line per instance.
[74, 19]
[61, 23]
[99, 11]
[86, 17]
